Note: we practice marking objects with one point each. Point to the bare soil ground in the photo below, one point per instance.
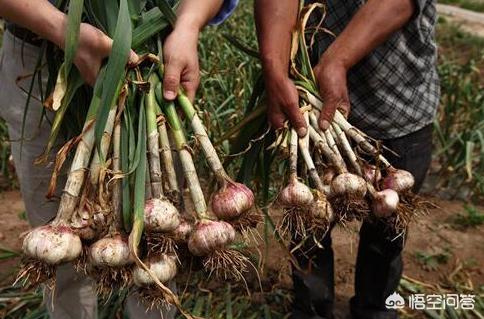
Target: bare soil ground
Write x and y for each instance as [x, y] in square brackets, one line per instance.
[438, 254]
[437, 250]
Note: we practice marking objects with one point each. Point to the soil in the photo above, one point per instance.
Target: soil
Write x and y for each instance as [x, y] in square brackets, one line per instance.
[457, 254]
[433, 235]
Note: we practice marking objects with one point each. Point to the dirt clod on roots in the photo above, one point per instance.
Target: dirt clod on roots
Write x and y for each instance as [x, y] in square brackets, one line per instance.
[347, 209]
[160, 243]
[110, 279]
[226, 264]
[34, 272]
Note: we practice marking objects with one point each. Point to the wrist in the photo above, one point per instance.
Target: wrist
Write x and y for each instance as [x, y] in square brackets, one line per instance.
[55, 29]
[335, 61]
[189, 23]
[274, 68]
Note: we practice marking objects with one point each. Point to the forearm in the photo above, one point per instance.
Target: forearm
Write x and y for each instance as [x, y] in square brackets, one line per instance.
[373, 24]
[39, 16]
[195, 14]
[275, 21]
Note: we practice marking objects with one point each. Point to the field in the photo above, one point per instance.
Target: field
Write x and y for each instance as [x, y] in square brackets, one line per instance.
[444, 248]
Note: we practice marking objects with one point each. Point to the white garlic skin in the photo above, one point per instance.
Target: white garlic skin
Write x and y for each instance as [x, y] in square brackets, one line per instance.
[52, 244]
[110, 252]
[296, 194]
[164, 268]
[161, 215]
[385, 203]
[348, 184]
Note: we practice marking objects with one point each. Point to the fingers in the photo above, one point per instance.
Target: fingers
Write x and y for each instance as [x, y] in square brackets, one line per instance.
[190, 80]
[297, 119]
[171, 79]
[276, 116]
[327, 114]
[334, 92]
[190, 86]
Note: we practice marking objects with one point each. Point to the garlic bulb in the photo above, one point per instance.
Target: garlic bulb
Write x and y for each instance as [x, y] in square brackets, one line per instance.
[348, 184]
[209, 236]
[399, 180]
[52, 244]
[161, 215]
[110, 251]
[296, 194]
[385, 203]
[163, 267]
[232, 200]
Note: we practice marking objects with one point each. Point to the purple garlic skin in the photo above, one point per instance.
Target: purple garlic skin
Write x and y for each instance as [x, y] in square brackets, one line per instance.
[232, 200]
[296, 194]
[385, 203]
[399, 180]
[110, 252]
[52, 244]
[209, 236]
[161, 215]
[371, 173]
[348, 184]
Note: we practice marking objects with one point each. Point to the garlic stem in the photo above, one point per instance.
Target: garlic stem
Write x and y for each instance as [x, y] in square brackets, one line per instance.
[346, 147]
[189, 170]
[293, 154]
[77, 173]
[304, 148]
[323, 146]
[202, 137]
[153, 140]
[117, 224]
[350, 130]
[167, 157]
[95, 167]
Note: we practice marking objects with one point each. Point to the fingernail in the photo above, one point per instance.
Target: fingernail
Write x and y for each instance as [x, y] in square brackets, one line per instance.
[170, 95]
[302, 131]
[325, 125]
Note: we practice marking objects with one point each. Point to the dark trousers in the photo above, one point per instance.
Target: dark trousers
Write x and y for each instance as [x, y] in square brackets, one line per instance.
[379, 261]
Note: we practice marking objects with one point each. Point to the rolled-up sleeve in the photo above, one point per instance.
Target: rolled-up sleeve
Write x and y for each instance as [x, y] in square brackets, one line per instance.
[227, 9]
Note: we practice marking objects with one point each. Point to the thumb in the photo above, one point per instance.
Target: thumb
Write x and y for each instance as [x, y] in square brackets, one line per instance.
[171, 80]
[327, 114]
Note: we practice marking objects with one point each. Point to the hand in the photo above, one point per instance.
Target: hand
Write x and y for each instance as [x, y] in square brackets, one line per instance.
[331, 78]
[283, 104]
[181, 62]
[94, 47]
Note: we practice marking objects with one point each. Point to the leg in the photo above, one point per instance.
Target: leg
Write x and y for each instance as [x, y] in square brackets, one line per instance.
[379, 262]
[314, 285]
[74, 296]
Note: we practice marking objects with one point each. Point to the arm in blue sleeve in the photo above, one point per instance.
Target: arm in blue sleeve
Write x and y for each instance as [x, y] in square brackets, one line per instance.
[226, 11]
